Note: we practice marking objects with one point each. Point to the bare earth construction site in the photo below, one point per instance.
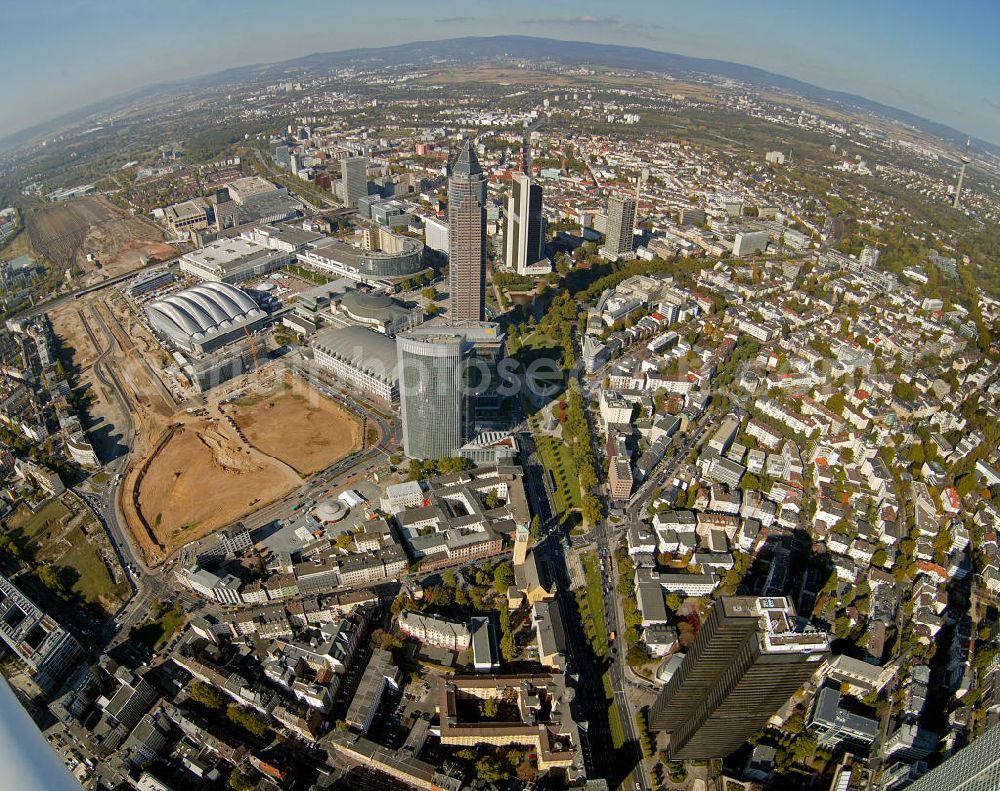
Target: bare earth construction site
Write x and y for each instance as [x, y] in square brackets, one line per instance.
[208, 470]
[298, 426]
[190, 473]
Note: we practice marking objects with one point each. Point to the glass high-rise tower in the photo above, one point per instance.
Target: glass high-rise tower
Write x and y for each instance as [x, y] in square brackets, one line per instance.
[976, 767]
[446, 376]
[354, 172]
[750, 655]
[467, 237]
[433, 397]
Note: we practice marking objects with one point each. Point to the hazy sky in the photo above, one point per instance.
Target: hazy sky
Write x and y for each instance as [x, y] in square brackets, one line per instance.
[940, 60]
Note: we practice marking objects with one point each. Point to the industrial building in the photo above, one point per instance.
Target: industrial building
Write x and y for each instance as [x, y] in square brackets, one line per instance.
[363, 359]
[206, 317]
[233, 260]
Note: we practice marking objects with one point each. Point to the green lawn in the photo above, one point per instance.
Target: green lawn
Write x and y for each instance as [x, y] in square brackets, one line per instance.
[614, 720]
[156, 631]
[595, 601]
[44, 539]
[555, 456]
[32, 524]
[95, 582]
[535, 345]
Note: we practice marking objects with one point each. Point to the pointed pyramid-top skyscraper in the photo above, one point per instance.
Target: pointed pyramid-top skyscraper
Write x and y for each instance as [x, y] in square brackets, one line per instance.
[467, 237]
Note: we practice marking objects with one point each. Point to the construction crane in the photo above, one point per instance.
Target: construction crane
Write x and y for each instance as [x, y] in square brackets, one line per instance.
[253, 349]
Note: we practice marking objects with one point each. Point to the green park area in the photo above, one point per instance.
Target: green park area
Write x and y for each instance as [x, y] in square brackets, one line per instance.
[66, 551]
[593, 613]
[164, 623]
[557, 458]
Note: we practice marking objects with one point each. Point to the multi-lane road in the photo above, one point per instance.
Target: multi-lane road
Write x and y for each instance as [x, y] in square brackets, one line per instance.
[357, 464]
[637, 776]
[150, 584]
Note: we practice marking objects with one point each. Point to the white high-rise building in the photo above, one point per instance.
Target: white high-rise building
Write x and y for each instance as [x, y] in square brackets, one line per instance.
[869, 256]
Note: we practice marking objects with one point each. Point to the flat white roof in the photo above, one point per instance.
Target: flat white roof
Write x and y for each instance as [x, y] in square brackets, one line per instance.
[224, 251]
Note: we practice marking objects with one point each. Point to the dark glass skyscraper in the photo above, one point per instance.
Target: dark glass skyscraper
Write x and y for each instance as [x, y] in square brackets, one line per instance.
[525, 235]
[467, 237]
[750, 655]
[354, 172]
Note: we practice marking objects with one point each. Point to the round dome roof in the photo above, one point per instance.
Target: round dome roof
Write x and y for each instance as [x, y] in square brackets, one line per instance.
[330, 511]
[369, 305]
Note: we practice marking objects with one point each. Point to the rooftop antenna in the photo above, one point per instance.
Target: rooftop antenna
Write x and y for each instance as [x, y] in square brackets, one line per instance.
[966, 159]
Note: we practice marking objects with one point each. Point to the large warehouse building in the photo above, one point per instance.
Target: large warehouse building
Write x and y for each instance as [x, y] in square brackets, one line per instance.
[203, 319]
[362, 358]
[233, 260]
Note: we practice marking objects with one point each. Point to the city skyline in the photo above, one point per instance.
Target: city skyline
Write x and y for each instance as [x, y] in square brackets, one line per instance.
[633, 416]
[69, 54]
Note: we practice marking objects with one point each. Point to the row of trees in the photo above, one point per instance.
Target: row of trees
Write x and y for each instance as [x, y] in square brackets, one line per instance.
[576, 434]
[251, 721]
[428, 468]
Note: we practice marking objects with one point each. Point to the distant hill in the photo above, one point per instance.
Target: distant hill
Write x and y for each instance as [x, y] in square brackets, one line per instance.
[579, 53]
[573, 53]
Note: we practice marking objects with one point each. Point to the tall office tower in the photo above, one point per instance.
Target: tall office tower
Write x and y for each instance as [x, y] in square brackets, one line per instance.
[966, 159]
[447, 375]
[433, 397]
[467, 237]
[354, 172]
[975, 767]
[525, 224]
[750, 655]
[226, 210]
[621, 224]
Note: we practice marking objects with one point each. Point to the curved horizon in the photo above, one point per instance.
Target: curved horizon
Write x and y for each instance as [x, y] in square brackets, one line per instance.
[68, 49]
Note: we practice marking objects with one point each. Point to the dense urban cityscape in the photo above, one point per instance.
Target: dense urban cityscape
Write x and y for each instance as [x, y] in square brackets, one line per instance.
[494, 415]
